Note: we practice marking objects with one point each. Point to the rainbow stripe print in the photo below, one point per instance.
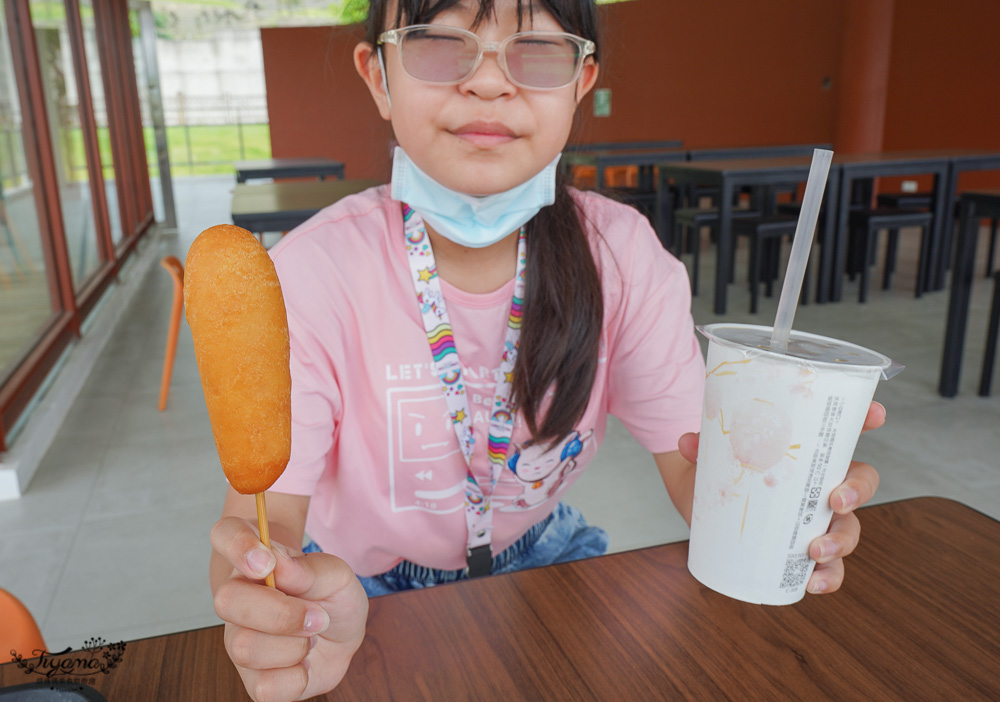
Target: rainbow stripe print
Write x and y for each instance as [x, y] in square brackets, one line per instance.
[516, 313]
[442, 341]
[497, 450]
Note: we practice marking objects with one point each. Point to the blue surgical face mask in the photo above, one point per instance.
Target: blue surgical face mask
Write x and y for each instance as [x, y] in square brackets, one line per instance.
[468, 220]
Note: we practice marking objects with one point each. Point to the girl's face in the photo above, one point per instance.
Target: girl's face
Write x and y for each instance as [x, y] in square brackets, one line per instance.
[484, 135]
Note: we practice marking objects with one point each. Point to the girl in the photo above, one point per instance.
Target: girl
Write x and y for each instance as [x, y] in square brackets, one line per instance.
[473, 304]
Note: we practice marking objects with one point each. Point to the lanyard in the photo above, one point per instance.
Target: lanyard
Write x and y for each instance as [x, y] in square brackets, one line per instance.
[478, 515]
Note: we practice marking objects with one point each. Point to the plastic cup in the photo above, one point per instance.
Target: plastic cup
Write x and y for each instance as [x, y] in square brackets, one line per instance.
[777, 436]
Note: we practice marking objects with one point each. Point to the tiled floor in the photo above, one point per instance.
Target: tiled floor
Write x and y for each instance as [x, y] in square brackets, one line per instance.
[111, 537]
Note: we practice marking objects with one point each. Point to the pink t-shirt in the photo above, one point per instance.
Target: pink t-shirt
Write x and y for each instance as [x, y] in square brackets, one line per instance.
[372, 440]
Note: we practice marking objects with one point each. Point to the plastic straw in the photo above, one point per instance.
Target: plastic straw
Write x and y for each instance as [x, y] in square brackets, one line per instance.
[819, 170]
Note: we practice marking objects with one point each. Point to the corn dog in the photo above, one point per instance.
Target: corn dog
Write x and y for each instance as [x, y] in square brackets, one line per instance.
[237, 317]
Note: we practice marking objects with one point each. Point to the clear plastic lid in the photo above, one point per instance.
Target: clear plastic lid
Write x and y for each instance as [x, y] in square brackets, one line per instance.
[807, 347]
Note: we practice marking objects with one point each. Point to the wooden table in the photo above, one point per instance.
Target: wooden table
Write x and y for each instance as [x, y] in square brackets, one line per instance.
[973, 207]
[278, 207]
[288, 168]
[918, 618]
[729, 176]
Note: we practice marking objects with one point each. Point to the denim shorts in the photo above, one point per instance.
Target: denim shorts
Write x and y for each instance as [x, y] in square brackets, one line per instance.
[562, 536]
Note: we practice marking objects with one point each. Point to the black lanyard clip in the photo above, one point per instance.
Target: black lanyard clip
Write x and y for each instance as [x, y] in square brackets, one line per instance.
[480, 560]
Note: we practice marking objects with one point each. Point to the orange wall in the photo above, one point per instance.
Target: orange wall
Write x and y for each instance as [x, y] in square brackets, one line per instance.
[317, 104]
[718, 72]
[944, 79]
[865, 53]
[710, 72]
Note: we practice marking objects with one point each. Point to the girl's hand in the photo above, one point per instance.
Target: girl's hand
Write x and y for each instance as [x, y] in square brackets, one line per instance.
[295, 641]
[858, 487]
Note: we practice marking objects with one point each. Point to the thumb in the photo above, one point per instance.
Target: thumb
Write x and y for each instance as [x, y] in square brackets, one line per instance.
[688, 447]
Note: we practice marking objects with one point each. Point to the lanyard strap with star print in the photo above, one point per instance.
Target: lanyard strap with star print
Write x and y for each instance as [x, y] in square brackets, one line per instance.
[478, 515]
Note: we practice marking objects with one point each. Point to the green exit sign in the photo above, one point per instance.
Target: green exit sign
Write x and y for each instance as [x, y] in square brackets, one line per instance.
[602, 102]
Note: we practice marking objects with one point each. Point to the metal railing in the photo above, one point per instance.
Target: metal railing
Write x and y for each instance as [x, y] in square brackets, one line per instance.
[221, 123]
[189, 114]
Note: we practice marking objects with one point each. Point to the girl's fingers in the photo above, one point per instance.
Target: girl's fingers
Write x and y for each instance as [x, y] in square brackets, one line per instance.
[276, 684]
[839, 541]
[858, 487]
[327, 581]
[826, 578]
[875, 417]
[238, 542]
[315, 577]
[267, 610]
[688, 447]
[253, 649]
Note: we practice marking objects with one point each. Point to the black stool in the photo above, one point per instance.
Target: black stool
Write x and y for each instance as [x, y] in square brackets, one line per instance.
[986, 378]
[693, 219]
[764, 231]
[864, 226]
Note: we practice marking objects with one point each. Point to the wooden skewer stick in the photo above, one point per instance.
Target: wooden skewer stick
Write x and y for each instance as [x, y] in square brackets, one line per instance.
[265, 537]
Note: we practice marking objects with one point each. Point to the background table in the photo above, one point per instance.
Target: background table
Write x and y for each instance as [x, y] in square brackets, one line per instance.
[962, 161]
[626, 145]
[973, 207]
[288, 168]
[278, 207]
[891, 163]
[643, 158]
[918, 618]
[729, 176]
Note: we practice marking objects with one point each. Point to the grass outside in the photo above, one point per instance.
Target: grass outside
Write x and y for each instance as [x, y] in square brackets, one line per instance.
[194, 150]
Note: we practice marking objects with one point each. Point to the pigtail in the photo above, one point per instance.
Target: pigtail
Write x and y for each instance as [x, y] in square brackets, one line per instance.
[563, 317]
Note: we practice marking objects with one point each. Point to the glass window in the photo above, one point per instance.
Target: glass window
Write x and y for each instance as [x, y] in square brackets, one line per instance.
[142, 80]
[25, 300]
[62, 105]
[101, 116]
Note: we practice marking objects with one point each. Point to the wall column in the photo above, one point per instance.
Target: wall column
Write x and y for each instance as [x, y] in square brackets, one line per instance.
[864, 76]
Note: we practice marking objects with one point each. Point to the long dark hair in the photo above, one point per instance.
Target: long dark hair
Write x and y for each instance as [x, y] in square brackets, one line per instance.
[564, 303]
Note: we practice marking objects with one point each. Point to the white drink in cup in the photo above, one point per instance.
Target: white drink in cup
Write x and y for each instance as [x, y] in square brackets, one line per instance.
[777, 436]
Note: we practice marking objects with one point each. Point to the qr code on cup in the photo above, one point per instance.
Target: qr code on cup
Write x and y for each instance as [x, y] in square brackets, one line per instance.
[796, 571]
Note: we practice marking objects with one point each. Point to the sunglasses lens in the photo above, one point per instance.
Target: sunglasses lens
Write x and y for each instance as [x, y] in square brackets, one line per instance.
[543, 61]
[437, 55]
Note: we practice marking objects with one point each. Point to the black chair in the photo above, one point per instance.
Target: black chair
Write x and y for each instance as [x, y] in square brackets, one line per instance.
[989, 357]
[923, 200]
[766, 234]
[692, 219]
[642, 200]
[864, 226]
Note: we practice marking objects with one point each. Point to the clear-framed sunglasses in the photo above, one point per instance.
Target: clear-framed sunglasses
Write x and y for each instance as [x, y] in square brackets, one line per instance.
[446, 55]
